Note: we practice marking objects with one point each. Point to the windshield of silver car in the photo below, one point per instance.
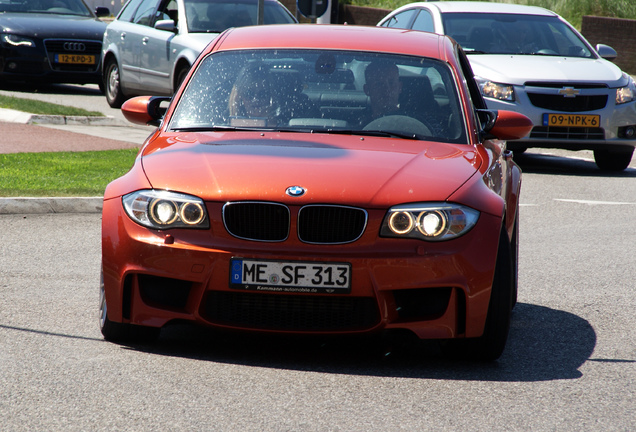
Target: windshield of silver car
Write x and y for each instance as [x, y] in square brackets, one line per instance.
[484, 33]
[323, 91]
[213, 16]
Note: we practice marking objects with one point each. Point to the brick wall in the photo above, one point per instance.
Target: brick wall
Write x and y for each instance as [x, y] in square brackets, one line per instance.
[618, 33]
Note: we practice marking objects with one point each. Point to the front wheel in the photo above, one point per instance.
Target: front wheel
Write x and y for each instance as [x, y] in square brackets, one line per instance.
[119, 332]
[180, 77]
[112, 84]
[491, 344]
[613, 160]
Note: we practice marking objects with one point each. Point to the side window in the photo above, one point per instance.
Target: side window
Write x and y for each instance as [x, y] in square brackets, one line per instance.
[475, 94]
[424, 22]
[145, 12]
[129, 10]
[401, 20]
[168, 11]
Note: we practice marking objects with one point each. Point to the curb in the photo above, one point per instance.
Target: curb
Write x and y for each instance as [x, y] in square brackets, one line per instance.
[48, 205]
[14, 116]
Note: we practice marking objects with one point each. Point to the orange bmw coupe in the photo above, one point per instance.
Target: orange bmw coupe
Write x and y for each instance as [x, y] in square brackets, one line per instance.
[319, 180]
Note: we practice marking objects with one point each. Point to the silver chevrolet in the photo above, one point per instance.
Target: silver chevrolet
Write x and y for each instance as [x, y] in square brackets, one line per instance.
[530, 60]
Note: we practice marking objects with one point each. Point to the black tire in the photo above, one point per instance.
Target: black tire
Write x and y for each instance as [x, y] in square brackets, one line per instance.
[119, 332]
[180, 76]
[613, 160]
[514, 249]
[112, 84]
[491, 344]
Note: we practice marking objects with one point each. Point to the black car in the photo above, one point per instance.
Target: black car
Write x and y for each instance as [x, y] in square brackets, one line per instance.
[50, 41]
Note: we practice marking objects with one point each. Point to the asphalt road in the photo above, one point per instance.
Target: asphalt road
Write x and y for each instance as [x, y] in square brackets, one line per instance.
[570, 364]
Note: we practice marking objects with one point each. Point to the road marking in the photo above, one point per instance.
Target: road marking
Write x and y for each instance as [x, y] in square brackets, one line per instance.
[589, 202]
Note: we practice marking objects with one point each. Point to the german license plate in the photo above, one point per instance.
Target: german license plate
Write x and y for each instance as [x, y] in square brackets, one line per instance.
[571, 120]
[290, 276]
[75, 59]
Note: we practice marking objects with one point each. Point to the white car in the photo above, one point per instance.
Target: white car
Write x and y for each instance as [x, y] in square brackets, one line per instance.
[530, 60]
[151, 45]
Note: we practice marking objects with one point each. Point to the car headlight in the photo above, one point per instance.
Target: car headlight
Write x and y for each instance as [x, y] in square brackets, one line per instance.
[627, 93]
[165, 210]
[504, 92]
[429, 221]
[17, 41]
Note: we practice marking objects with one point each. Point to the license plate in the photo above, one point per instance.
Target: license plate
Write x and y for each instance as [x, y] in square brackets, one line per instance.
[290, 276]
[75, 59]
[571, 120]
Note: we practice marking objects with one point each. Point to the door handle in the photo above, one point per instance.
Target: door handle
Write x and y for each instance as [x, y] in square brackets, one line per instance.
[145, 40]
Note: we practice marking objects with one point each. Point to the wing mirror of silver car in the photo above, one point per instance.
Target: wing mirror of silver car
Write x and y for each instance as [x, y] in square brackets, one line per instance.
[606, 52]
[167, 25]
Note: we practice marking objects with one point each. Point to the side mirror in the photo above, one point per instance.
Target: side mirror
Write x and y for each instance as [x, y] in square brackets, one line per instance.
[101, 11]
[606, 52]
[167, 25]
[145, 110]
[504, 125]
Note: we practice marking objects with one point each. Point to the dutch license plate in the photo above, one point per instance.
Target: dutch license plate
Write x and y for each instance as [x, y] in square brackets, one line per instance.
[571, 120]
[290, 276]
[75, 59]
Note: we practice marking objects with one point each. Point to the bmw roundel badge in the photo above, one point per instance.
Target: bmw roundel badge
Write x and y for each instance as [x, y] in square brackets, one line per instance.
[295, 191]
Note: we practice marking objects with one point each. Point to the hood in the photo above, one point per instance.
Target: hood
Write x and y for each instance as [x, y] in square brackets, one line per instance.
[518, 69]
[195, 41]
[374, 172]
[44, 26]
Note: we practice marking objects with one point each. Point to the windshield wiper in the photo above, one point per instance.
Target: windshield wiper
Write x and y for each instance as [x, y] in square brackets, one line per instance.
[221, 129]
[377, 133]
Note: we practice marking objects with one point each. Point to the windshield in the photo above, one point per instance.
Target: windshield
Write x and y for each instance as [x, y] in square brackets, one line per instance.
[323, 91]
[64, 7]
[209, 16]
[484, 33]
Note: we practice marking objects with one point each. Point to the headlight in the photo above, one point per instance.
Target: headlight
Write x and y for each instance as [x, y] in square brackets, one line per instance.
[430, 221]
[165, 210]
[16, 40]
[504, 92]
[627, 93]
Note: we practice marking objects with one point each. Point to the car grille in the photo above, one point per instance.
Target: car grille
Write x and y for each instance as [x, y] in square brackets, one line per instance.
[290, 312]
[257, 221]
[330, 224]
[568, 104]
[569, 133]
[321, 224]
[58, 46]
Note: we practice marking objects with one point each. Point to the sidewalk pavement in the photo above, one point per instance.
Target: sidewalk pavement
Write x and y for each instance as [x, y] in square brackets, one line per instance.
[23, 132]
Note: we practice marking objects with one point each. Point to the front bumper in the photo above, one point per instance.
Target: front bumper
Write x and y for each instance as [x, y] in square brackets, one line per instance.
[436, 290]
[43, 63]
[617, 126]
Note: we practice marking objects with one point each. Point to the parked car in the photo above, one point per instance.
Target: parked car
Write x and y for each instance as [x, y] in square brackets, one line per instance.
[285, 192]
[50, 42]
[151, 45]
[530, 60]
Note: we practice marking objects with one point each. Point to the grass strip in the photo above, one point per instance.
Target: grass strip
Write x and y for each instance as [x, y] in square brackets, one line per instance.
[46, 108]
[60, 174]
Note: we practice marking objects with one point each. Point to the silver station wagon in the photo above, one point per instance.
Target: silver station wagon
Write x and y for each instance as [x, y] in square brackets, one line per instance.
[530, 60]
[151, 45]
